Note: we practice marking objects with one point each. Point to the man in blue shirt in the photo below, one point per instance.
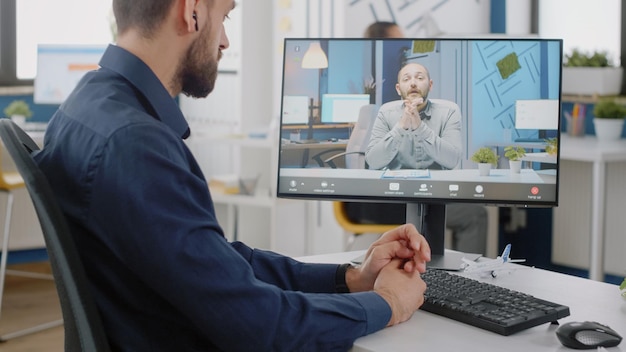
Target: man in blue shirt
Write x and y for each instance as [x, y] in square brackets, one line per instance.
[163, 275]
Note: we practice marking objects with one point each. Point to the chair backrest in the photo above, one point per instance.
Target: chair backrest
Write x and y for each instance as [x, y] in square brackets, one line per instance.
[360, 136]
[348, 225]
[82, 322]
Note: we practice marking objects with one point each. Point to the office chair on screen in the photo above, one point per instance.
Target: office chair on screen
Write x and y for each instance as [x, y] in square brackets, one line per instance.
[354, 155]
[82, 322]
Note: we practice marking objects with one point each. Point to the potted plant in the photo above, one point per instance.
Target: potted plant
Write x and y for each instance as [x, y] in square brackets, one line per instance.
[552, 145]
[18, 111]
[622, 288]
[515, 155]
[608, 119]
[486, 159]
[590, 74]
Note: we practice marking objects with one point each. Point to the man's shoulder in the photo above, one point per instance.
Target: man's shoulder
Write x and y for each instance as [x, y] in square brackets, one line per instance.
[444, 103]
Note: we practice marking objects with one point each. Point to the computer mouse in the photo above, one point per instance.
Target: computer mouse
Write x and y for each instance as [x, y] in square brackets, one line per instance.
[587, 335]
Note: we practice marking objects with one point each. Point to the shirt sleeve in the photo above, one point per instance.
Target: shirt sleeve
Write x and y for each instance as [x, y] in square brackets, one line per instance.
[385, 141]
[166, 232]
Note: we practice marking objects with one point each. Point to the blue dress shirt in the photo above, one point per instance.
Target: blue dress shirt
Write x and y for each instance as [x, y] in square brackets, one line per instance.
[163, 274]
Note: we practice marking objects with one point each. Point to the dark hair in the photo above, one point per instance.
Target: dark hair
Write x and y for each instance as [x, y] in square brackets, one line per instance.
[145, 15]
[379, 29]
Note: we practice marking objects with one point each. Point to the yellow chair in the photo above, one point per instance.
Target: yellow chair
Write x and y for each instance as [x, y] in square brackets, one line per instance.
[356, 229]
[9, 182]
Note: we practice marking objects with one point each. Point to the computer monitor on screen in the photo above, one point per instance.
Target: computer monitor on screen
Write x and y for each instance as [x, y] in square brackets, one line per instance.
[295, 110]
[342, 108]
[475, 93]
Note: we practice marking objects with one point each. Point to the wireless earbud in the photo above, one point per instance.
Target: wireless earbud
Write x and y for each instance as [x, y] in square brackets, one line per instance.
[195, 19]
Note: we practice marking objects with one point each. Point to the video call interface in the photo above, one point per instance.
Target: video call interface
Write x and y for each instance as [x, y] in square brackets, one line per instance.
[340, 136]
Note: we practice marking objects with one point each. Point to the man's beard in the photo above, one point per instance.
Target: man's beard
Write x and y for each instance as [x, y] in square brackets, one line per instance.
[423, 94]
[197, 73]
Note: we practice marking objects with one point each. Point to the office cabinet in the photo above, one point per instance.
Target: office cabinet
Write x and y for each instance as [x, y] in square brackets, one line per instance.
[588, 228]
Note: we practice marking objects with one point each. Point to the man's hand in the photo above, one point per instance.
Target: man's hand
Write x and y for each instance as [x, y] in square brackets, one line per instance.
[403, 290]
[404, 243]
[411, 116]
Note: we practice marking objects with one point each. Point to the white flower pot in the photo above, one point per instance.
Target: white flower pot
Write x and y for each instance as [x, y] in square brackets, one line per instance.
[608, 129]
[516, 166]
[592, 80]
[19, 120]
[484, 169]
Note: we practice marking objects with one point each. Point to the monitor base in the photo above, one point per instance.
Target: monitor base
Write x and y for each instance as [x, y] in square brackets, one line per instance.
[452, 260]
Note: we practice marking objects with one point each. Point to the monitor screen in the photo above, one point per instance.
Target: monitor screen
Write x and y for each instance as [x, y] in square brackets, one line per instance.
[60, 67]
[435, 103]
[342, 108]
[295, 110]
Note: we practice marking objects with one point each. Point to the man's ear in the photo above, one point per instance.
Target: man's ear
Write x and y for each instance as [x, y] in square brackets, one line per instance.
[189, 9]
[398, 89]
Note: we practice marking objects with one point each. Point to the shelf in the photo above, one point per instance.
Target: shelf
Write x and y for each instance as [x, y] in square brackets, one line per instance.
[262, 198]
[589, 99]
[235, 140]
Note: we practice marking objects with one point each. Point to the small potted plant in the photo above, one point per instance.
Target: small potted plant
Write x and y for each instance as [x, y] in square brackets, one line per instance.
[552, 146]
[590, 74]
[608, 119]
[622, 288]
[486, 159]
[18, 111]
[515, 155]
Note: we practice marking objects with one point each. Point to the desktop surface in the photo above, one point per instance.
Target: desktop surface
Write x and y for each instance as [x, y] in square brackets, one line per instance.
[588, 301]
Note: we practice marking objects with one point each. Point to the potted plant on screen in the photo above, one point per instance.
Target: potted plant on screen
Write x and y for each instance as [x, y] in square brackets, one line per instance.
[608, 119]
[486, 159]
[515, 155]
[552, 146]
[18, 111]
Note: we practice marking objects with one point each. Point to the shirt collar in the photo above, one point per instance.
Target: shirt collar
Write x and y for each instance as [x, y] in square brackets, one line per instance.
[427, 112]
[141, 76]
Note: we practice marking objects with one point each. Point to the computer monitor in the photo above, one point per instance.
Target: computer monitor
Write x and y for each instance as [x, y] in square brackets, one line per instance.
[342, 108]
[481, 91]
[60, 67]
[295, 110]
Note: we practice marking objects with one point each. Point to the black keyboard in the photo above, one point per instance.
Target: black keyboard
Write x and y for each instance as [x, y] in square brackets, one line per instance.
[486, 306]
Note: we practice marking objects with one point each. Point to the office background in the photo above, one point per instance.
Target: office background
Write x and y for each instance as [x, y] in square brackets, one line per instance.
[256, 31]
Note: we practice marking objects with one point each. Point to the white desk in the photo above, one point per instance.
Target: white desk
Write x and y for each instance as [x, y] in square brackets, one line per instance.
[587, 300]
[589, 149]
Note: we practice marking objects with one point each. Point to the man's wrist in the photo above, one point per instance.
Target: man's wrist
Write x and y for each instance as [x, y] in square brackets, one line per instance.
[341, 282]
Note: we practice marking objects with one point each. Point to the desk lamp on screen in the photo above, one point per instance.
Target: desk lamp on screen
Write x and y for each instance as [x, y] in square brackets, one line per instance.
[60, 67]
[486, 81]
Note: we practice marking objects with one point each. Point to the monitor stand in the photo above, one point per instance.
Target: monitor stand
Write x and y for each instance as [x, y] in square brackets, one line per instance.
[430, 221]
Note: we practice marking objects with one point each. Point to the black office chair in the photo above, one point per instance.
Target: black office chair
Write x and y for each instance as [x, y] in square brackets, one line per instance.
[82, 322]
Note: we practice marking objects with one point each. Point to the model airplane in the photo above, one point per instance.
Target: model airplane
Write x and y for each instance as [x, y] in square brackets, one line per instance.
[492, 266]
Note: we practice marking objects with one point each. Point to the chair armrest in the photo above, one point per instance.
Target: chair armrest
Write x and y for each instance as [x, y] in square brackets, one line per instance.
[318, 157]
